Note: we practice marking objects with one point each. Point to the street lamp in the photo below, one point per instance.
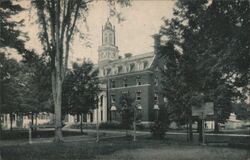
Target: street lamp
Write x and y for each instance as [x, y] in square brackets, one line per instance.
[139, 108]
[113, 110]
[156, 108]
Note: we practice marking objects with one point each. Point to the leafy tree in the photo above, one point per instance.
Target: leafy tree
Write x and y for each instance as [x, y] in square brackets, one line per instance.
[10, 95]
[36, 77]
[80, 89]
[199, 64]
[10, 35]
[58, 20]
[127, 104]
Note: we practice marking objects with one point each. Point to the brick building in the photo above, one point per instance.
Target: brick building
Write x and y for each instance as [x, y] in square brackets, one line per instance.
[137, 76]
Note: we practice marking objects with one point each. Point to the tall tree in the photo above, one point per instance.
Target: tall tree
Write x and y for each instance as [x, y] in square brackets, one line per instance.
[58, 24]
[199, 63]
[58, 21]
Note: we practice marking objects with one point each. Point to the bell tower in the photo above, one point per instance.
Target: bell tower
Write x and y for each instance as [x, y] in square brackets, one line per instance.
[108, 51]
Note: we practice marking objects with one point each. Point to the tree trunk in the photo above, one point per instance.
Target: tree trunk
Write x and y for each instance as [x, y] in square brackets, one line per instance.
[11, 121]
[190, 122]
[1, 105]
[216, 126]
[57, 77]
[199, 130]
[32, 120]
[58, 114]
[81, 124]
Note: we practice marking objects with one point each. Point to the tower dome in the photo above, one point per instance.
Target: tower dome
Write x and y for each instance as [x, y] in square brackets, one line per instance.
[108, 25]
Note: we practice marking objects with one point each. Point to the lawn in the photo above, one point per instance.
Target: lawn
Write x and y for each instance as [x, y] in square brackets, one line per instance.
[122, 149]
[24, 134]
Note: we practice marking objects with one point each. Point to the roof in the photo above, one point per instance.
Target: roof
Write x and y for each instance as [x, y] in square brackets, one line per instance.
[129, 64]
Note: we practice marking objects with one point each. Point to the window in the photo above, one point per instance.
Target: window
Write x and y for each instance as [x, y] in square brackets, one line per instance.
[106, 38]
[108, 71]
[101, 101]
[156, 97]
[165, 99]
[138, 96]
[132, 66]
[138, 81]
[101, 115]
[110, 38]
[156, 81]
[112, 84]
[125, 84]
[145, 64]
[112, 98]
[119, 69]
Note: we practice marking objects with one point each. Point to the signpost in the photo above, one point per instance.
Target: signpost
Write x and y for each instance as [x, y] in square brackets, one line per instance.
[201, 112]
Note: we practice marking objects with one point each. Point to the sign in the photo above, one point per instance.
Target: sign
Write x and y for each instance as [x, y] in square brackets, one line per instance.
[206, 109]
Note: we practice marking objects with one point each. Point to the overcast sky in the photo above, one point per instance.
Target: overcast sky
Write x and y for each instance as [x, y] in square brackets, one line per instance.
[143, 19]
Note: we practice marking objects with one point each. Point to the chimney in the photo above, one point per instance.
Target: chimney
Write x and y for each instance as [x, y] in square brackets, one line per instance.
[127, 55]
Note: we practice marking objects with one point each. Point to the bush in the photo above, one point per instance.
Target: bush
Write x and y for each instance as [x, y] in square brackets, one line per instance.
[111, 125]
[84, 126]
[158, 130]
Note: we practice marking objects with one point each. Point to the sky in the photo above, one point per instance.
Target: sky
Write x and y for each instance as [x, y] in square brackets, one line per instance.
[134, 35]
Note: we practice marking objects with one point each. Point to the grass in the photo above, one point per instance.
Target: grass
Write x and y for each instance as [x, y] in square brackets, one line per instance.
[122, 149]
[24, 134]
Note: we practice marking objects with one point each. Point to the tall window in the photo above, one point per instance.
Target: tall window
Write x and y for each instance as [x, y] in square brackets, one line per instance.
[112, 98]
[125, 84]
[156, 97]
[101, 101]
[138, 95]
[110, 38]
[112, 84]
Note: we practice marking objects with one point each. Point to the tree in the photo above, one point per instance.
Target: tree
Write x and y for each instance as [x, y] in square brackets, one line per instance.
[10, 35]
[127, 104]
[36, 78]
[80, 89]
[199, 63]
[10, 86]
[58, 21]
[181, 75]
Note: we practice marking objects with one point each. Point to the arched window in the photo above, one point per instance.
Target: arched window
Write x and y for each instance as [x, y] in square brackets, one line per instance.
[106, 38]
[110, 38]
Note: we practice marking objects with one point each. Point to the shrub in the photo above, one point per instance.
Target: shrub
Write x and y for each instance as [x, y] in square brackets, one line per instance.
[158, 130]
[111, 125]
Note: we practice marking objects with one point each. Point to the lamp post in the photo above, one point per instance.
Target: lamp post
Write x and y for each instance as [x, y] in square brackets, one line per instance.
[113, 110]
[156, 108]
[137, 107]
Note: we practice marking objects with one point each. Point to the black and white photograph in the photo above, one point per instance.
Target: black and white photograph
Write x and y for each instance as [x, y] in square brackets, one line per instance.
[124, 79]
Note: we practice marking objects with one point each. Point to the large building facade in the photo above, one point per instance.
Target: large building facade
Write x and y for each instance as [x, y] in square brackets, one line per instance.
[137, 76]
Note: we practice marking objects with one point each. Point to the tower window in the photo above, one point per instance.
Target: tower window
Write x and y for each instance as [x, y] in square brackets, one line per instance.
[106, 38]
[110, 38]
